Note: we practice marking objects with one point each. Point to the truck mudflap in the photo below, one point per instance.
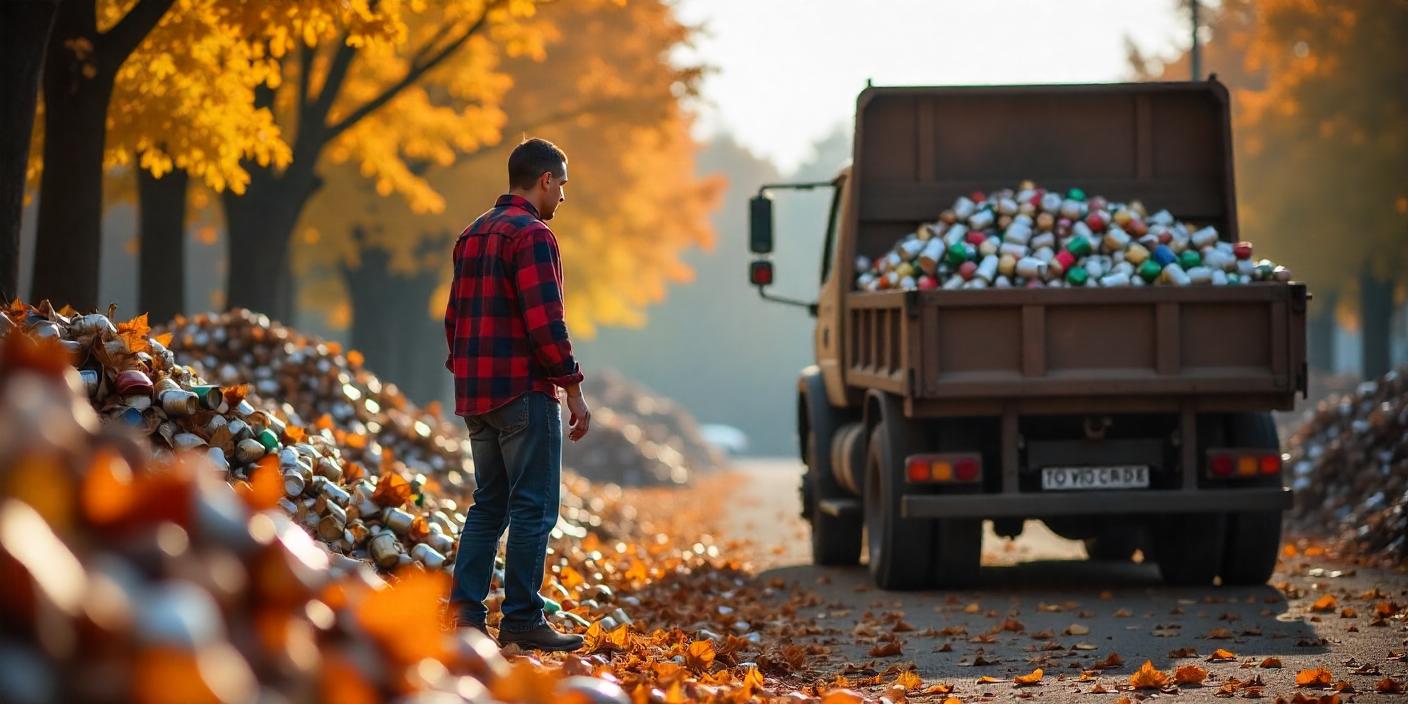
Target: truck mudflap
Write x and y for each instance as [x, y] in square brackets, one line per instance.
[1042, 504]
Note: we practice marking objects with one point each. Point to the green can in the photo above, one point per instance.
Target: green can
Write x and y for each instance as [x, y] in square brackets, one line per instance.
[1189, 259]
[1079, 245]
[1150, 270]
[1076, 194]
[957, 254]
[268, 439]
[210, 395]
[550, 606]
[1077, 276]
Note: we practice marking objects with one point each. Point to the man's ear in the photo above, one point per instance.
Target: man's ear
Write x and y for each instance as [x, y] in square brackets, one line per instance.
[545, 181]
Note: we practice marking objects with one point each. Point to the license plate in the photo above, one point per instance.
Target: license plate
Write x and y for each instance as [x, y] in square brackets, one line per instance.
[1109, 477]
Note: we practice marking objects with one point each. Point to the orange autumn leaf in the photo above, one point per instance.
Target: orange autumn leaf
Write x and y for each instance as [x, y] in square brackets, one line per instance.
[1388, 685]
[526, 682]
[1324, 604]
[700, 656]
[910, 680]
[842, 696]
[134, 333]
[1222, 655]
[1271, 663]
[355, 359]
[265, 487]
[108, 493]
[1033, 677]
[1189, 674]
[164, 339]
[885, 649]
[1314, 677]
[939, 688]
[952, 700]
[391, 491]
[295, 434]
[1148, 677]
[1112, 661]
[988, 679]
[405, 617]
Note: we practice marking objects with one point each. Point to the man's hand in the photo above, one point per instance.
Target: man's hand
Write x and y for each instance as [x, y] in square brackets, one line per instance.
[581, 417]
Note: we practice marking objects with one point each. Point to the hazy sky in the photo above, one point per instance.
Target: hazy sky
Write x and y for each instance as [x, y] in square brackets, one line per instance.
[788, 71]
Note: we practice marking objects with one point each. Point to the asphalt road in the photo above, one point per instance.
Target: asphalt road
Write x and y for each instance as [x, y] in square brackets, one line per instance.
[1066, 614]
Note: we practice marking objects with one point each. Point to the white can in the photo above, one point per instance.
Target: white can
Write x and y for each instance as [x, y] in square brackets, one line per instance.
[1115, 279]
[981, 220]
[963, 207]
[1016, 250]
[987, 269]
[1204, 237]
[1031, 268]
[955, 234]
[1176, 275]
[1017, 233]
[1051, 202]
[1200, 275]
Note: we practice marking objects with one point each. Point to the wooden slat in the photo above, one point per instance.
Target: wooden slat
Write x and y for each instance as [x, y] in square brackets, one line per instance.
[924, 141]
[1033, 341]
[1167, 344]
[1143, 138]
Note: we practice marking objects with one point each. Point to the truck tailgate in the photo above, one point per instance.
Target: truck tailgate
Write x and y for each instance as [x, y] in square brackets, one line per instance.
[1052, 343]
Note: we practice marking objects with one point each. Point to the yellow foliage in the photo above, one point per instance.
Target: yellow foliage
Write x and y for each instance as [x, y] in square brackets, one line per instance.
[606, 93]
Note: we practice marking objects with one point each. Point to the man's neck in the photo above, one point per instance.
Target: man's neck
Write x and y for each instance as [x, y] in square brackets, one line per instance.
[525, 195]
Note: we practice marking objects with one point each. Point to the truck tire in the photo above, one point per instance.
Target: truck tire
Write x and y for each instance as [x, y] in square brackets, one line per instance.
[1189, 547]
[1253, 537]
[958, 547]
[901, 556]
[836, 540]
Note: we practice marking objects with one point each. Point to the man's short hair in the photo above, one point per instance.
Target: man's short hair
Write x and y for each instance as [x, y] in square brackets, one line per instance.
[533, 158]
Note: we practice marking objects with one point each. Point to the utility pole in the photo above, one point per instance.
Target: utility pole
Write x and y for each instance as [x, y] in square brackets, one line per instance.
[1196, 54]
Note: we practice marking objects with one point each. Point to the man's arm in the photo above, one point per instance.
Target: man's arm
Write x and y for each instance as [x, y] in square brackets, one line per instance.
[538, 282]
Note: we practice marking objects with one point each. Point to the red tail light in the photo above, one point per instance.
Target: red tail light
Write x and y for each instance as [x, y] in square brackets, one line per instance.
[1241, 464]
[949, 468]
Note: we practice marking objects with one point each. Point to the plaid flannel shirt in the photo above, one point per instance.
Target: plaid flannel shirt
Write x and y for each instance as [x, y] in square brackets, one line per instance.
[504, 320]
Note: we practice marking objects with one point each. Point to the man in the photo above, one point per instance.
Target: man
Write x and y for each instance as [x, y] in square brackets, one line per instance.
[510, 353]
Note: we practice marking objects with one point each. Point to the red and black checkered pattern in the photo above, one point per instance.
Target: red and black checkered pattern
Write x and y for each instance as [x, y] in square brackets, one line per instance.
[503, 322]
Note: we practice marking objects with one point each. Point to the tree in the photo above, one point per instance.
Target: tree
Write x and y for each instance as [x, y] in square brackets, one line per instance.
[1321, 146]
[608, 93]
[81, 64]
[24, 35]
[377, 86]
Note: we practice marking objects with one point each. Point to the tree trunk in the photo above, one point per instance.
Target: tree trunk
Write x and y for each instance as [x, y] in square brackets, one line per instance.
[377, 301]
[1322, 330]
[68, 245]
[1375, 317]
[24, 34]
[259, 230]
[421, 360]
[161, 212]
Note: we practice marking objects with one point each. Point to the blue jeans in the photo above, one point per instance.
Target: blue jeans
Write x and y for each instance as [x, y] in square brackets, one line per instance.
[517, 452]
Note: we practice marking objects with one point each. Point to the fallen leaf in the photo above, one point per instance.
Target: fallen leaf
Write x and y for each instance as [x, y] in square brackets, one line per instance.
[885, 649]
[1033, 677]
[1183, 653]
[1189, 674]
[1219, 634]
[1324, 604]
[1077, 629]
[1388, 685]
[134, 333]
[1148, 677]
[940, 688]
[1271, 662]
[1314, 677]
[1110, 662]
[988, 679]
[1222, 655]
[910, 680]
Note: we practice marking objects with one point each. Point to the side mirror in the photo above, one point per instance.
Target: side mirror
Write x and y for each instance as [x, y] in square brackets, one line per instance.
[760, 273]
[760, 224]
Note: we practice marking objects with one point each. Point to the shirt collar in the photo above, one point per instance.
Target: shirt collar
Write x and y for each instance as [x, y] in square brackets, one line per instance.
[510, 200]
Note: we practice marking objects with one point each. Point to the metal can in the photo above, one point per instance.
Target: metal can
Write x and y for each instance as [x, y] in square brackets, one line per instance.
[1078, 245]
[1164, 255]
[294, 483]
[1189, 260]
[397, 519]
[428, 556]
[1115, 279]
[1077, 276]
[133, 382]
[249, 450]
[1150, 270]
[91, 380]
[178, 402]
[210, 396]
[1204, 237]
[385, 550]
[1175, 275]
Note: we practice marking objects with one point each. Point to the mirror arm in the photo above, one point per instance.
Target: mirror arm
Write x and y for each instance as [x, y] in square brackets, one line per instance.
[811, 307]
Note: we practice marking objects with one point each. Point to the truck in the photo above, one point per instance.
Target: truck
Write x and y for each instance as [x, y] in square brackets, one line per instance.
[1132, 419]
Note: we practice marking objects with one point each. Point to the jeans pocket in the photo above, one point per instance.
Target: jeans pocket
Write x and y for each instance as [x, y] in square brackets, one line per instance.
[516, 415]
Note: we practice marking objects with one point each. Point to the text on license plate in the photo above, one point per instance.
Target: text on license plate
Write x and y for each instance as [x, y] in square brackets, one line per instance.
[1109, 477]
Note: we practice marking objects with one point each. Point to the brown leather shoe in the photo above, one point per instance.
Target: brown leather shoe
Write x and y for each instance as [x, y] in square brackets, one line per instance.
[543, 637]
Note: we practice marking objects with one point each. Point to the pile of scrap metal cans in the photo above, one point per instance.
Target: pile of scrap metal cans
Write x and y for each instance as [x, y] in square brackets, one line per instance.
[1349, 467]
[139, 568]
[1031, 237]
[638, 437]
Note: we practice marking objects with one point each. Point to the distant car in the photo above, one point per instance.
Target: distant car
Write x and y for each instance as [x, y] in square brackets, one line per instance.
[726, 437]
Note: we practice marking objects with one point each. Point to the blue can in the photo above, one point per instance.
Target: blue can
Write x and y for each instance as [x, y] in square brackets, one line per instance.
[131, 416]
[1164, 256]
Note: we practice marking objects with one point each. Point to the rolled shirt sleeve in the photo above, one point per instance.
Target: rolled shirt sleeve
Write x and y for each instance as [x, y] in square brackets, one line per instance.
[538, 282]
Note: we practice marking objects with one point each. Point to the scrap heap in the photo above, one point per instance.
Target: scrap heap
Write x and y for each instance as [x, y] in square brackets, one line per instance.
[638, 437]
[1349, 465]
[1032, 237]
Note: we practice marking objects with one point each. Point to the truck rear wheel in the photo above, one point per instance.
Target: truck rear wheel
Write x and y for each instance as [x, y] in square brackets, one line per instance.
[836, 540]
[1189, 547]
[1253, 537]
[901, 554]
